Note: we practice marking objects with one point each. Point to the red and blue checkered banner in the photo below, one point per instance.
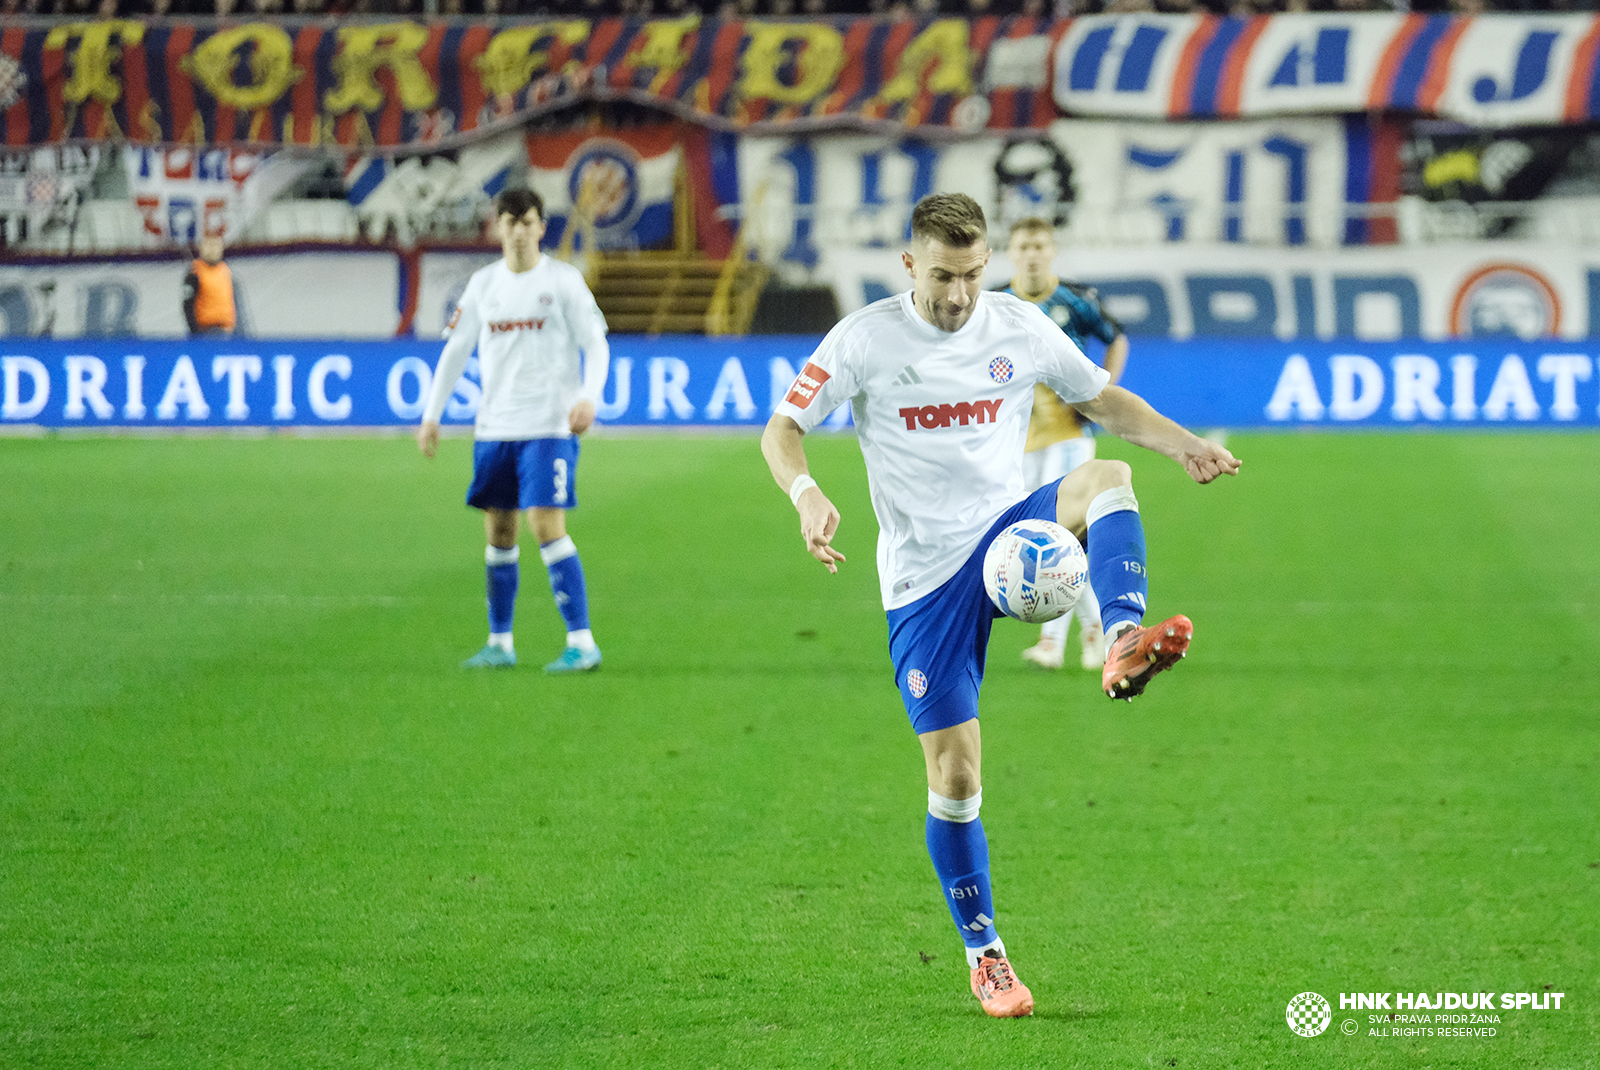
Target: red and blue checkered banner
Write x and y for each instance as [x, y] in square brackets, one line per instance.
[685, 382]
[414, 85]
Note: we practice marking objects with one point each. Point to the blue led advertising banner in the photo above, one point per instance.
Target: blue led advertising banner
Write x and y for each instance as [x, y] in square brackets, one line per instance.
[703, 382]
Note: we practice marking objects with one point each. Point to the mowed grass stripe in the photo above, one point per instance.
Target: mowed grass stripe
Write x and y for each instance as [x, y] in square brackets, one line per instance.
[254, 816]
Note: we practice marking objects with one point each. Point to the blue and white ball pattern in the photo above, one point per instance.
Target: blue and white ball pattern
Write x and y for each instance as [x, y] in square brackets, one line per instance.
[1035, 571]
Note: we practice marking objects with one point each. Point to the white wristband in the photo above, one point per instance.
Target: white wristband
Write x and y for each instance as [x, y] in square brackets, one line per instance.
[801, 484]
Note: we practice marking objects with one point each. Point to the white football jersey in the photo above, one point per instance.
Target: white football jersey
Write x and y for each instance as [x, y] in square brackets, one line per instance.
[942, 417]
[528, 329]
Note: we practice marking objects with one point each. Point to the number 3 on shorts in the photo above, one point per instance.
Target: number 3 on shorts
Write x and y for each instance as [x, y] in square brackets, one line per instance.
[559, 470]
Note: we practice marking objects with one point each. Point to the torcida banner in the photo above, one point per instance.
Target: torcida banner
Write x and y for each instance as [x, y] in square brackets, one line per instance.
[403, 86]
[415, 86]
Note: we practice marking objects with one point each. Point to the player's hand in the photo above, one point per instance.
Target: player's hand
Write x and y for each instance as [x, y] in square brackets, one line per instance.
[818, 521]
[1207, 460]
[428, 437]
[581, 418]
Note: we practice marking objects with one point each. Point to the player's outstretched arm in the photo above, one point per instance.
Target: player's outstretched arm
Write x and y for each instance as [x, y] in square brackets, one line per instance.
[782, 446]
[1128, 416]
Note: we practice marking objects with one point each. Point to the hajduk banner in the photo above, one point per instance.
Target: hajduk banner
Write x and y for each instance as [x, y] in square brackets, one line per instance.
[685, 382]
[1486, 70]
[1292, 182]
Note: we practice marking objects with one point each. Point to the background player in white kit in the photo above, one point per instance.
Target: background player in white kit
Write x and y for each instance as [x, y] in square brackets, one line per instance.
[528, 316]
[943, 449]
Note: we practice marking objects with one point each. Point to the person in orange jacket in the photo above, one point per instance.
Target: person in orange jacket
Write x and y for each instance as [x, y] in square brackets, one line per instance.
[208, 296]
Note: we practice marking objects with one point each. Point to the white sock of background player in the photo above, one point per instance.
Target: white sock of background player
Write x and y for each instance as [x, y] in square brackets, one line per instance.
[1053, 633]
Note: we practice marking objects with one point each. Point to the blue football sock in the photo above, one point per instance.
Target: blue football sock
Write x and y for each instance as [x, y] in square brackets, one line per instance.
[566, 582]
[1116, 557]
[503, 576]
[960, 853]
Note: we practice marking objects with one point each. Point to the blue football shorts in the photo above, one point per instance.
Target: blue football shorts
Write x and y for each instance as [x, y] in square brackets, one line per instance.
[524, 474]
[939, 642]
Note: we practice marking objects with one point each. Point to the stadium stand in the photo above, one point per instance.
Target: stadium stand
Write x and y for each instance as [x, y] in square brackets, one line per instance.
[421, 188]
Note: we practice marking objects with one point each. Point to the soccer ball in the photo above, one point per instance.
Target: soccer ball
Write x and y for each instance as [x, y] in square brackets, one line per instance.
[1035, 570]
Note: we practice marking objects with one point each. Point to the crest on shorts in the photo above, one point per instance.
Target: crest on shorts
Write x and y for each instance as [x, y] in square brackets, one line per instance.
[1000, 370]
[917, 682]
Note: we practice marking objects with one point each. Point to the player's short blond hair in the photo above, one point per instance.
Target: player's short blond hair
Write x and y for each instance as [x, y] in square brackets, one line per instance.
[1033, 225]
[954, 219]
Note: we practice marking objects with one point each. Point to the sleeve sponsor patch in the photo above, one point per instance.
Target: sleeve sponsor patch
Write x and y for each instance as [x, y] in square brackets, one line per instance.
[806, 385]
[454, 319]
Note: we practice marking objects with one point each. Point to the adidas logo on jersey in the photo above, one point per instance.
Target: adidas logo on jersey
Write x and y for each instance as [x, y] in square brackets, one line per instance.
[963, 412]
[909, 377]
[516, 325]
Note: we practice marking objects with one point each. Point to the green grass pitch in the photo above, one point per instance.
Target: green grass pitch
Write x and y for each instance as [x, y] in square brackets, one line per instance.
[252, 814]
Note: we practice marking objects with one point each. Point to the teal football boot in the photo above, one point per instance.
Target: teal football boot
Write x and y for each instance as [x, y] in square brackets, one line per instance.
[574, 660]
[490, 657]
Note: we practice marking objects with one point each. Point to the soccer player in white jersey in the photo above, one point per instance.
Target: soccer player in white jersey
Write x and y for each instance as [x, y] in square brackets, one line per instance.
[940, 381]
[528, 316]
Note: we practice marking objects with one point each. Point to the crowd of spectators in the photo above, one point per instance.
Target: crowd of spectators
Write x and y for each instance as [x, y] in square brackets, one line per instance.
[88, 9]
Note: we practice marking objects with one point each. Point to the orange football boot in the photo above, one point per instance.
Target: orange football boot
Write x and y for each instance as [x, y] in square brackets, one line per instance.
[1140, 653]
[997, 988]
